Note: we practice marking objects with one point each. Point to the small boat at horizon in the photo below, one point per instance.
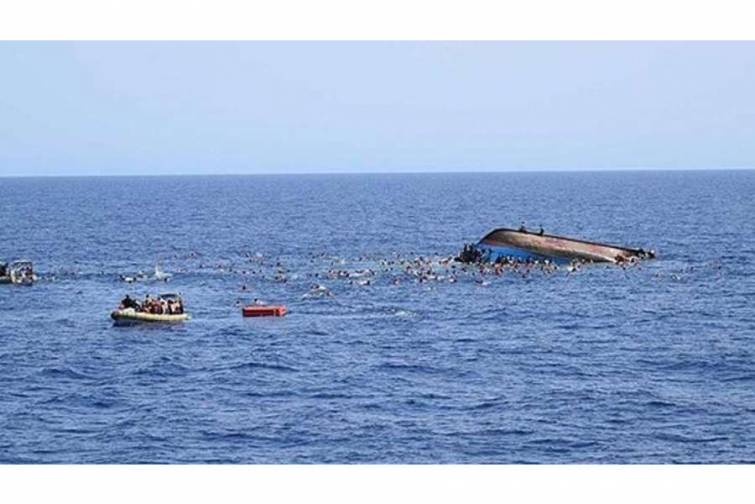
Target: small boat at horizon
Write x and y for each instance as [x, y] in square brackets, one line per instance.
[523, 245]
[19, 272]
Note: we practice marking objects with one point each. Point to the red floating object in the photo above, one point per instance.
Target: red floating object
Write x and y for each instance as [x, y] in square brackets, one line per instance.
[264, 311]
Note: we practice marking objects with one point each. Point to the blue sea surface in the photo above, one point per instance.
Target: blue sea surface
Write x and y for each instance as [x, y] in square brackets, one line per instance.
[649, 364]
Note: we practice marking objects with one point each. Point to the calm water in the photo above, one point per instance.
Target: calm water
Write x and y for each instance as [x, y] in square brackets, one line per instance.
[651, 364]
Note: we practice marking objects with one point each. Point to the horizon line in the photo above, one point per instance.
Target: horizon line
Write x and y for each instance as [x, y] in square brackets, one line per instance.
[438, 172]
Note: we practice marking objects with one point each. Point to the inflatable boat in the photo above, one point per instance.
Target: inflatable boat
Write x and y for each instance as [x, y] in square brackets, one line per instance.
[129, 316]
[527, 245]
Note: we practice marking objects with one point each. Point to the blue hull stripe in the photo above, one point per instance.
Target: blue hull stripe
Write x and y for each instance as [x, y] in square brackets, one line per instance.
[493, 252]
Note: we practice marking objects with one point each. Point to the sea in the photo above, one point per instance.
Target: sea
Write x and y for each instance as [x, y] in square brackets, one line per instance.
[375, 362]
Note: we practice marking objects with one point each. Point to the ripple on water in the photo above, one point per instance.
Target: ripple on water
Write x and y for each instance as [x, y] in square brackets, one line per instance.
[64, 372]
[251, 365]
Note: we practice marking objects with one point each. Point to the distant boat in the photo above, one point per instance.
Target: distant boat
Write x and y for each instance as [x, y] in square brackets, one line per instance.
[20, 272]
[525, 245]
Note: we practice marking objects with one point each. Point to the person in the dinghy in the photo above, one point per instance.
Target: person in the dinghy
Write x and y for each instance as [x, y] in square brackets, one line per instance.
[161, 305]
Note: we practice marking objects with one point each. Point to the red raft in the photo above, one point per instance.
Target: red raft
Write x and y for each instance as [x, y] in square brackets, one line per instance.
[264, 311]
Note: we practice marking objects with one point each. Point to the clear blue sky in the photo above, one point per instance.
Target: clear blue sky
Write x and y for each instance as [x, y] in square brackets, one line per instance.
[216, 107]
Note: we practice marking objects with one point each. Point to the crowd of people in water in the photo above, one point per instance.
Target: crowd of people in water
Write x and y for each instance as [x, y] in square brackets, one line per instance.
[470, 263]
[324, 272]
[470, 254]
[155, 306]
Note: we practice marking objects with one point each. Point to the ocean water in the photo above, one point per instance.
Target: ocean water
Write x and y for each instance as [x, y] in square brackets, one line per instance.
[651, 364]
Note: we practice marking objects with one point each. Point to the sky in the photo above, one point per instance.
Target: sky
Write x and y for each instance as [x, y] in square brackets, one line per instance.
[162, 108]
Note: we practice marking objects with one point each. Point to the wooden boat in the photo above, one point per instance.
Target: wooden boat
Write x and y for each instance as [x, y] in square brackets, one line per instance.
[264, 311]
[526, 245]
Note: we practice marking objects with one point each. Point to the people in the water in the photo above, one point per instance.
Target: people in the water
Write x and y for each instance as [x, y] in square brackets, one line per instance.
[469, 254]
[474, 262]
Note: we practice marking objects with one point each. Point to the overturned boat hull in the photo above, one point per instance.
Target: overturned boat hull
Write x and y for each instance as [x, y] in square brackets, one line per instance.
[129, 316]
[521, 245]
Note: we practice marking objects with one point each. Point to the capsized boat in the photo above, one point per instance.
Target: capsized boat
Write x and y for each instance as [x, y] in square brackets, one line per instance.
[524, 245]
[19, 272]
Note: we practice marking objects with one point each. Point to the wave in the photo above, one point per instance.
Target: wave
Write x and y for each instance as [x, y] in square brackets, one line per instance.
[680, 438]
[164, 370]
[411, 368]
[261, 365]
[65, 372]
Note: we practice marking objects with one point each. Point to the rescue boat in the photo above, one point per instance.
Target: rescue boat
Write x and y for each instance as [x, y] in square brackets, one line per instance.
[136, 314]
[129, 316]
[264, 311]
[526, 245]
